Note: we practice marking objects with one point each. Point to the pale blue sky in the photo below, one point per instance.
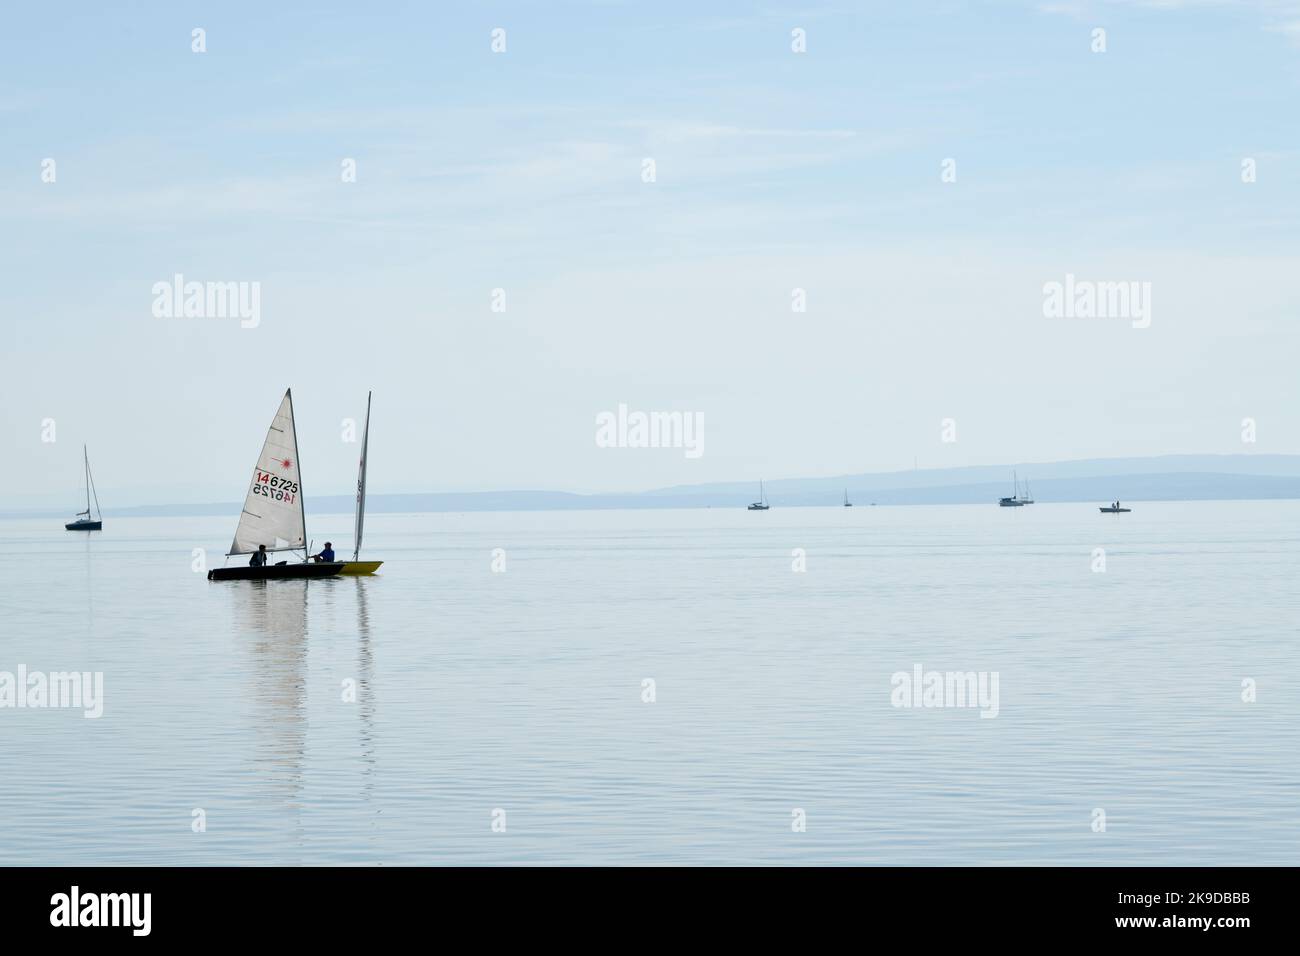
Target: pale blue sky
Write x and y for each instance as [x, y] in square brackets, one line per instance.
[522, 170]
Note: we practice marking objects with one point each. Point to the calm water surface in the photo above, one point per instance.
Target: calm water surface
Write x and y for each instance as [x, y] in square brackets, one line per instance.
[522, 690]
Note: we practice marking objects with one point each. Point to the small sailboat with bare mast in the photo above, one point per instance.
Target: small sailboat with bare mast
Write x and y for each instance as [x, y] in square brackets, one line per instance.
[1016, 500]
[356, 565]
[84, 521]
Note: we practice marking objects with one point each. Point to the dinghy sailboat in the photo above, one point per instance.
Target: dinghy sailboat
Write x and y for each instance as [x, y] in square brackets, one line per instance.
[847, 503]
[84, 521]
[273, 515]
[356, 565]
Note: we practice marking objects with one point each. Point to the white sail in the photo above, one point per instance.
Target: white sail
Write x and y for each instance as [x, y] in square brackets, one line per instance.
[361, 485]
[273, 512]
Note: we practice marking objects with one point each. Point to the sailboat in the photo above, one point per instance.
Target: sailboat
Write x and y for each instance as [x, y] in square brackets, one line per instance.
[761, 504]
[356, 565]
[273, 513]
[84, 521]
[847, 503]
[1017, 500]
[1013, 501]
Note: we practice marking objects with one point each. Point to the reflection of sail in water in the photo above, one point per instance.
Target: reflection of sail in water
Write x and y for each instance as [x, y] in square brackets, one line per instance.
[275, 623]
[365, 689]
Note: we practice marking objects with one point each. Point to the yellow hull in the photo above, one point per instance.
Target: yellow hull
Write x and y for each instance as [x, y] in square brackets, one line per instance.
[360, 567]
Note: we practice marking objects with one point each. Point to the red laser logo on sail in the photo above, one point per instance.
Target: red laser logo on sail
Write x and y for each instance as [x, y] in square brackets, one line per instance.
[286, 464]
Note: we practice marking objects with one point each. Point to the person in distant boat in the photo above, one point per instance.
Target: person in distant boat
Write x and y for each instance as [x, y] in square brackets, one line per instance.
[326, 555]
[258, 560]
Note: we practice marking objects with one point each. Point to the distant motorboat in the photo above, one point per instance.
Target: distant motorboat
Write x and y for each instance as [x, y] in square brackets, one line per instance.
[84, 521]
[1114, 509]
[761, 504]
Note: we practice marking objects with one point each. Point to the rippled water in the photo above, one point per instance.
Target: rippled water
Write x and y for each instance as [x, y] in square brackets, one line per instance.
[523, 690]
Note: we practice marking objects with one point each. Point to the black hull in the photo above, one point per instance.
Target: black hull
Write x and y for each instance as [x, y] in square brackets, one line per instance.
[276, 572]
[1114, 511]
[758, 507]
[84, 526]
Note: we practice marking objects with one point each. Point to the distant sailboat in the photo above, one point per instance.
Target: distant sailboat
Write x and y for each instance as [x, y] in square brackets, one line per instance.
[761, 504]
[1114, 509]
[356, 565]
[847, 503]
[87, 523]
[273, 513]
[1015, 501]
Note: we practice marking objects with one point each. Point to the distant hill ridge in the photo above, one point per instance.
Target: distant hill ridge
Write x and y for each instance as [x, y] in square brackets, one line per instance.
[1171, 477]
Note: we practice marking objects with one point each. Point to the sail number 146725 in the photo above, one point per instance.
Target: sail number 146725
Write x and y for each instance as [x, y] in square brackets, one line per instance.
[274, 487]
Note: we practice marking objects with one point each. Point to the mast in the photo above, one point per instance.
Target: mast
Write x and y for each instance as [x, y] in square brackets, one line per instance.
[90, 485]
[302, 501]
[361, 483]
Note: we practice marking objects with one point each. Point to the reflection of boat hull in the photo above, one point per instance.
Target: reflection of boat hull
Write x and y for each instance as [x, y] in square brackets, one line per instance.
[85, 526]
[360, 567]
[1114, 511]
[273, 572]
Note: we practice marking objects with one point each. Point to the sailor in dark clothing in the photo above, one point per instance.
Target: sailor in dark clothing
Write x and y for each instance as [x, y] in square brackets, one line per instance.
[258, 559]
[326, 555]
